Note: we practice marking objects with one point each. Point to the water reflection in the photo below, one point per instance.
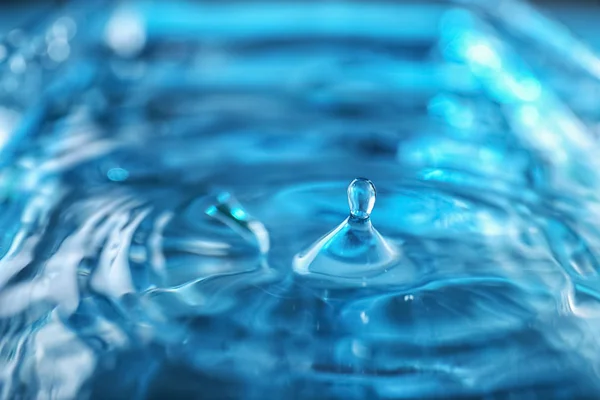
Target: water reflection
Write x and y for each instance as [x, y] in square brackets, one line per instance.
[167, 168]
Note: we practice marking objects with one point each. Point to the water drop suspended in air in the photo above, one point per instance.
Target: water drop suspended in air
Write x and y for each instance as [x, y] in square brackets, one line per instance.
[361, 198]
[354, 249]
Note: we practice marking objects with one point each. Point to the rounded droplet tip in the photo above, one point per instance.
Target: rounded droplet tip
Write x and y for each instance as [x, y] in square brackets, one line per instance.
[361, 198]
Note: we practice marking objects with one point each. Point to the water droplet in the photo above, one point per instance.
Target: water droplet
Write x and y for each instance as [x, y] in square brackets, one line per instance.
[16, 37]
[361, 198]
[18, 65]
[354, 249]
[64, 27]
[59, 50]
[117, 174]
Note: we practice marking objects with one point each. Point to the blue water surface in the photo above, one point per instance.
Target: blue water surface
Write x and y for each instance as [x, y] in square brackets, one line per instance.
[167, 170]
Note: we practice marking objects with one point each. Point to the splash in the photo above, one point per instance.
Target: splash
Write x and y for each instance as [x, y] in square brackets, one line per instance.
[164, 185]
[353, 249]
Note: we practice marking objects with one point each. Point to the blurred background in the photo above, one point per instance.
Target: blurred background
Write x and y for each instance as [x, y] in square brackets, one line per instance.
[168, 167]
[579, 15]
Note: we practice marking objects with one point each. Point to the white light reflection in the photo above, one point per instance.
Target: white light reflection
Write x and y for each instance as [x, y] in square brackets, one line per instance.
[64, 28]
[452, 111]
[125, 33]
[8, 120]
[57, 352]
[59, 50]
[545, 137]
[482, 54]
[529, 115]
[17, 64]
[364, 317]
[528, 89]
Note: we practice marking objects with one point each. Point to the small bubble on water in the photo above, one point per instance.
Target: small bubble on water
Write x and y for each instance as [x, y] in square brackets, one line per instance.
[18, 65]
[117, 174]
[59, 50]
[16, 37]
[64, 27]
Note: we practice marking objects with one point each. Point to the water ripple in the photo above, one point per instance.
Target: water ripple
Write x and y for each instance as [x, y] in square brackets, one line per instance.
[160, 181]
